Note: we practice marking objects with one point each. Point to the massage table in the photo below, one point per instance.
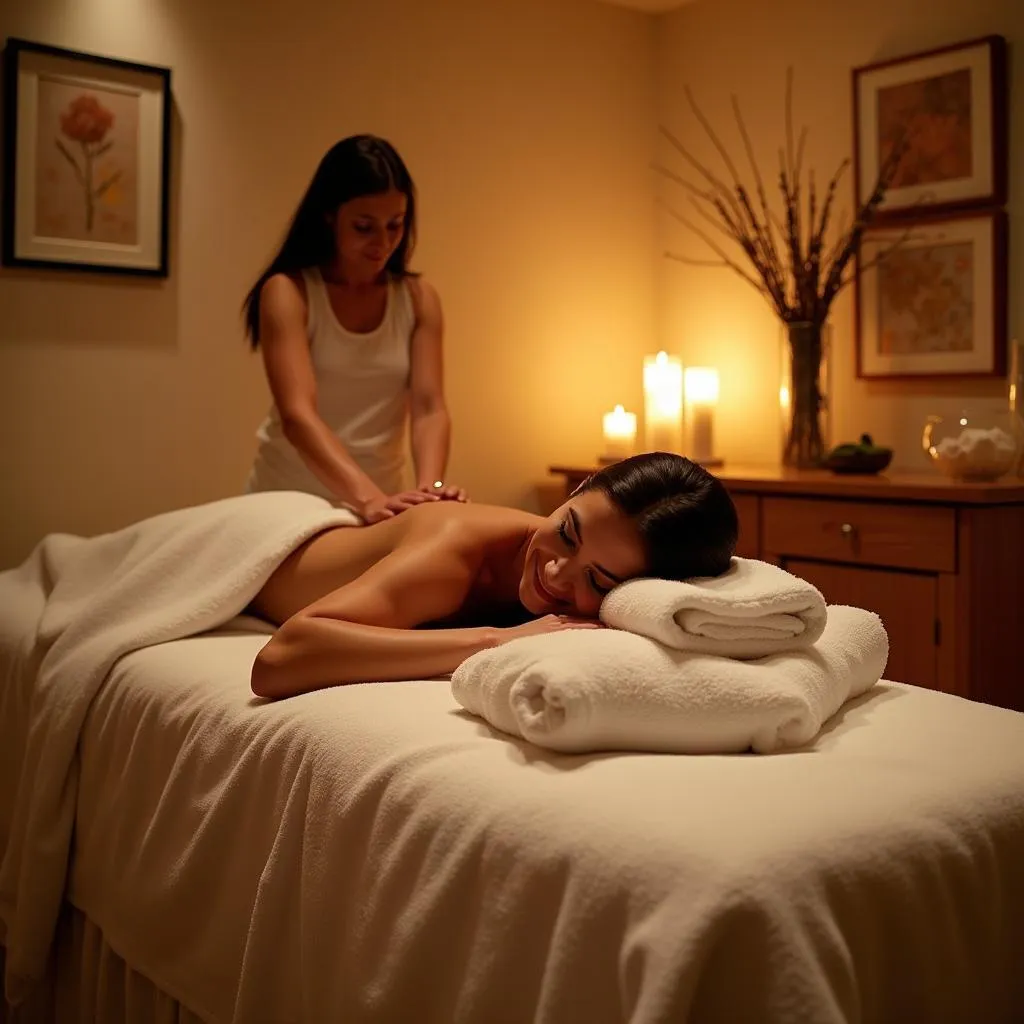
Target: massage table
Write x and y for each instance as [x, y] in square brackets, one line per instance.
[373, 853]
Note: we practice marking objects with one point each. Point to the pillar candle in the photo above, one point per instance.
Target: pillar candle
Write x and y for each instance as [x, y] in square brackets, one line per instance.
[619, 433]
[663, 403]
[701, 385]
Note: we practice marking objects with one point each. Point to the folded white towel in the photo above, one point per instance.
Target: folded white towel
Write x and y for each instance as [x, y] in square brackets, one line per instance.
[752, 610]
[585, 690]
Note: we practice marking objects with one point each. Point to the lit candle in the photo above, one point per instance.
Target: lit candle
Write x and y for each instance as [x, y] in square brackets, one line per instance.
[701, 398]
[619, 433]
[663, 403]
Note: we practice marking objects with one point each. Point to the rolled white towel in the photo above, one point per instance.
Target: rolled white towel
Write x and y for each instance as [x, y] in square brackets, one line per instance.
[753, 609]
[586, 690]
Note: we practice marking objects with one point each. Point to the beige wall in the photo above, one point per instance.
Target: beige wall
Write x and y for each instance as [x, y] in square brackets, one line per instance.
[720, 47]
[527, 126]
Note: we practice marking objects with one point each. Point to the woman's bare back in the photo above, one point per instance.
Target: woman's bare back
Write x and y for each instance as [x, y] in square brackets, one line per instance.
[451, 531]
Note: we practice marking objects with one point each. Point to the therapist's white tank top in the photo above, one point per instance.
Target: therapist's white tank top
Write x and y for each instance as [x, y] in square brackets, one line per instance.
[362, 383]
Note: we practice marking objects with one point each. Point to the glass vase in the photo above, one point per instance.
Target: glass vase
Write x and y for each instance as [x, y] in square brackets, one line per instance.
[805, 399]
[1016, 395]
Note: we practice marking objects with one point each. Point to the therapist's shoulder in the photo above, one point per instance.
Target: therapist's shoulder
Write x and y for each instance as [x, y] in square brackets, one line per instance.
[426, 302]
[282, 293]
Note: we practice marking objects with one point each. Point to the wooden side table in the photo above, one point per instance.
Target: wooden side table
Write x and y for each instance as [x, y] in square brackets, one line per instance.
[941, 562]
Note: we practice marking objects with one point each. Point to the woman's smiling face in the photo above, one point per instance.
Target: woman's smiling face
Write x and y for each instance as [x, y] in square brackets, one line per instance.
[583, 549]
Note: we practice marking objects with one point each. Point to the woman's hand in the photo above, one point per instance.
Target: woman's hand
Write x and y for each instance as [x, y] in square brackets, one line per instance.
[387, 506]
[547, 624]
[445, 492]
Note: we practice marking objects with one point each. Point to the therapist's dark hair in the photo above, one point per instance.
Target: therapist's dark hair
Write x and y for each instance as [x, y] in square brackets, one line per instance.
[360, 165]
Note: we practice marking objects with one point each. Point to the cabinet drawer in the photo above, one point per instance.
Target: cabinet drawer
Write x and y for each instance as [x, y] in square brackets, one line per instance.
[900, 536]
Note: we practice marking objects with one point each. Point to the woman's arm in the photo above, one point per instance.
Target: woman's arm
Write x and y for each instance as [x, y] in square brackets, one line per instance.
[292, 382]
[313, 652]
[430, 423]
[365, 631]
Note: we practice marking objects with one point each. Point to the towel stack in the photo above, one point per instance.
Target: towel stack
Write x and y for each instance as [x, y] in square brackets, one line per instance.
[750, 660]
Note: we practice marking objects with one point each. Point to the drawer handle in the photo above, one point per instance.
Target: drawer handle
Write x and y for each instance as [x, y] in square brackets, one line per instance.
[847, 530]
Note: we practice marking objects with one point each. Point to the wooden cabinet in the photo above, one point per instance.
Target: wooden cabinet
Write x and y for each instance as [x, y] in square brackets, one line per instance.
[907, 602]
[748, 508]
[941, 562]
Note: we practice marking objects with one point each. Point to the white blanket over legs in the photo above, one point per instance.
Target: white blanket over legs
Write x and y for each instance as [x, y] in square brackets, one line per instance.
[168, 577]
[585, 690]
[752, 610]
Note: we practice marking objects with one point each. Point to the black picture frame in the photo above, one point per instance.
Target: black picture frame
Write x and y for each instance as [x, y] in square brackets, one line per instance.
[122, 172]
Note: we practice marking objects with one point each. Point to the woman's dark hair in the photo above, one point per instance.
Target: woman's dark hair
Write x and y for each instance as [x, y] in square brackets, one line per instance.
[359, 165]
[686, 519]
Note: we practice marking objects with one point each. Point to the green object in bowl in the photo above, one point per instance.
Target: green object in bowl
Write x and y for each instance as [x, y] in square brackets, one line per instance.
[861, 457]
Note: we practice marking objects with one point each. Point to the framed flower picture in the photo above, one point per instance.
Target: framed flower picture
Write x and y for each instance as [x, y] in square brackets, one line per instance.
[86, 160]
[948, 107]
[931, 298]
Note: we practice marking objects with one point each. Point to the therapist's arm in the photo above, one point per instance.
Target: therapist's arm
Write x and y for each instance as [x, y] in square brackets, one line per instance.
[292, 380]
[430, 422]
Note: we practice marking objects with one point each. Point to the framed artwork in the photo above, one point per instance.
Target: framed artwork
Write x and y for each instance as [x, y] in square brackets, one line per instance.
[949, 107]
[86, 160]
[931, 298]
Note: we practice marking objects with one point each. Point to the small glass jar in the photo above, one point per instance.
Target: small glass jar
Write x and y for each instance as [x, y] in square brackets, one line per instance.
[978, 446]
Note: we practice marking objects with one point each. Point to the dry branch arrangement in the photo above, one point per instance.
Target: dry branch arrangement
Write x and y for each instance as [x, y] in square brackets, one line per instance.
[793, 266]
[790, 259]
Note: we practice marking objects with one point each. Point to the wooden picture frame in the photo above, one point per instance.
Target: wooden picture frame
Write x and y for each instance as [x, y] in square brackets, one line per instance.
[949, 105]
[86, 161]
[931, 297]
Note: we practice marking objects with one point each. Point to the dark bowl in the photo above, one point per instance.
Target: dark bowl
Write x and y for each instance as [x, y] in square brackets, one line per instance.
[859, 462]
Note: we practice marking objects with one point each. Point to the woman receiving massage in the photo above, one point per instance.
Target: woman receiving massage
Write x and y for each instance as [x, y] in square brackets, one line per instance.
[349, 601]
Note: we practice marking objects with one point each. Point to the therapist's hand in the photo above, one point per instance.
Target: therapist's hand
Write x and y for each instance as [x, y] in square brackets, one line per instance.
[446, 492]
[388, 506]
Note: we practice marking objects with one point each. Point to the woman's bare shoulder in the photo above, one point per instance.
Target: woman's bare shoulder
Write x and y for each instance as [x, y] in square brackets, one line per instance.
[470, 520]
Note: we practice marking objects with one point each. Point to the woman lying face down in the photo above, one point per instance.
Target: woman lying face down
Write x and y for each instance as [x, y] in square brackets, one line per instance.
[350, 603]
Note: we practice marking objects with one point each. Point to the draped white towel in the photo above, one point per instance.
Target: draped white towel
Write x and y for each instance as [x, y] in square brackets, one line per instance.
[170, 576]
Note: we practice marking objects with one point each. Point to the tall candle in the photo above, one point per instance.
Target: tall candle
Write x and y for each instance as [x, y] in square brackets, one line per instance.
[619, 429]
[701, 385]
[663, 403]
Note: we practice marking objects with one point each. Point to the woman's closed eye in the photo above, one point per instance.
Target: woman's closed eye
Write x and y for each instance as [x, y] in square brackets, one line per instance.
[571, 545]
[563, 532]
